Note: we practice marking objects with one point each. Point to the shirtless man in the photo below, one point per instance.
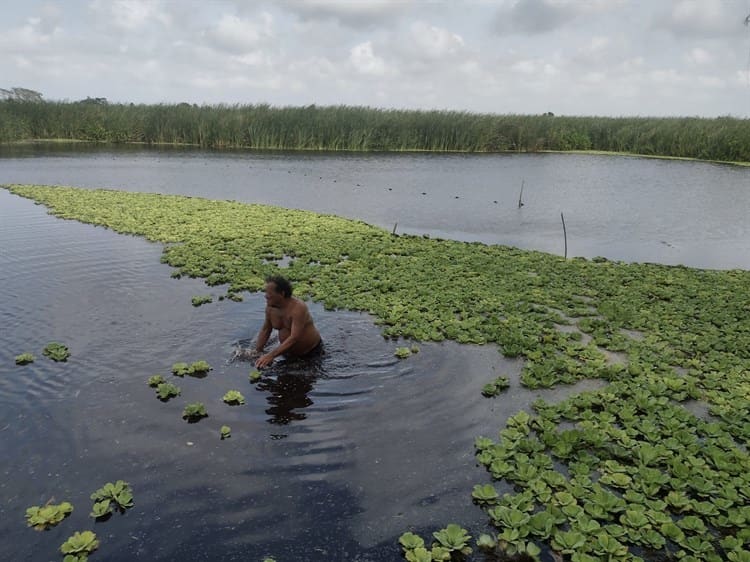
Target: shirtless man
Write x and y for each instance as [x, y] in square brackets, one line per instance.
[298, 336]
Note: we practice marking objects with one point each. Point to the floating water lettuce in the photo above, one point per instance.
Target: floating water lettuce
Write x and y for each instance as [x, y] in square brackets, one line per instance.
[658, 336]
[194, 412]
[46, 516]
[167, 390]
[197, 368]
[402, 352]
[156, 380]
[225, 432]
[234, 397]
[180, 369]
[24, 359]
[56, 351]
[119, 493]
[198, 301]
[79, 546]
[454, 538]
[495, 387]
[101, 509]
[255, 376]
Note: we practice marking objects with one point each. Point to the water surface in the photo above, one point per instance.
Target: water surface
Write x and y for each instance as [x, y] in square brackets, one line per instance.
[326, 462]
[624, 208]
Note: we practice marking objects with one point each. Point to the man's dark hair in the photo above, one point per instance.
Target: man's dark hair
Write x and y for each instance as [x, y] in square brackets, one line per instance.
[283, 286]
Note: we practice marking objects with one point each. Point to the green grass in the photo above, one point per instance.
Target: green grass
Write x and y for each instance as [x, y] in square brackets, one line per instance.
[601, 470]
[350, 128]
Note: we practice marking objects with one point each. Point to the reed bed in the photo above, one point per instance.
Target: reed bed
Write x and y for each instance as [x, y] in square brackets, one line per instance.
[351, 128]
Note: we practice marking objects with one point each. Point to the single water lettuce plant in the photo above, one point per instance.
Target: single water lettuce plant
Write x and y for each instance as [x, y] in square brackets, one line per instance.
[24, 359]
[402, 352]
[156, 380]
[495, 387]
[119, 494]
[167, 390]
[234, 397]
[200, 300]
[255, 376]
[46, 516]
[79, 546]
[197, 368]
[56, 351]
[194, 412]
[225, 432]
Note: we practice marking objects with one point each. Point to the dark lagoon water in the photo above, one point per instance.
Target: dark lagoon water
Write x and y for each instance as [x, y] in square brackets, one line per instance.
[331, 461]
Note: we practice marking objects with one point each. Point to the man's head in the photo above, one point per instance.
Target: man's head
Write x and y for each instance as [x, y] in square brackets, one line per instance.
[277, 289]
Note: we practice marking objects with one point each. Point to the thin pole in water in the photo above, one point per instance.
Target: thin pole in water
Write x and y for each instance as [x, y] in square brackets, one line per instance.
[565, 235]
[520, 195]
[394, 228]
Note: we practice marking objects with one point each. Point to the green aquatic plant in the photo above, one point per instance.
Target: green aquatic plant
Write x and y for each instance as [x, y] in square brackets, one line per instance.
[255, 376]
[120, 494]
[234, 397]
[402, 352]
[156, 380]
[101, 509]
[486, 542]
[495, 387]
[24, 359]
[197, 368]
[180, 369]
[682, 332]
[46, 516]
[79, 546]
[485, 493]
[167, 390]
[453, 538]
[194, 412]
[225, 432]
[410, 541]
[198, 301]
[56, 351]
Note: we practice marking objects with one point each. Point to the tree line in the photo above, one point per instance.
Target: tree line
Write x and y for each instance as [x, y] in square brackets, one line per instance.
[262, 126]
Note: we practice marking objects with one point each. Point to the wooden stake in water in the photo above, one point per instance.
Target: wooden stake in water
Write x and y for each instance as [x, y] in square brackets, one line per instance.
[565, 235]
[394, 228]
[520, 196]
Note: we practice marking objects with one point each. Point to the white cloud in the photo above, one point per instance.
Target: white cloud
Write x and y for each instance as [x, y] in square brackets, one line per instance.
[240, 36]
[704, 18]
[131, 15]
[699, 56]
[354, 13]
[365, 61]
[606, 57]
[543, 16]
[435, 42]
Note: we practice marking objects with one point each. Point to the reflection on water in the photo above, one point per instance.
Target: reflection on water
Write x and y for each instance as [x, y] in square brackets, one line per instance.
[288, 396]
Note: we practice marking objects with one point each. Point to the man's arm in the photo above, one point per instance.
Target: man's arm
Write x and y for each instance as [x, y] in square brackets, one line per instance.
[263, 335]
[298, 326]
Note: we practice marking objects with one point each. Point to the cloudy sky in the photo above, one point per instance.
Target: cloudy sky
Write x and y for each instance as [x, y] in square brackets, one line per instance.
[571, 57]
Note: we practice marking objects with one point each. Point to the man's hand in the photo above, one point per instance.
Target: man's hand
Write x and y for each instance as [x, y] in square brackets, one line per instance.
[264, 361]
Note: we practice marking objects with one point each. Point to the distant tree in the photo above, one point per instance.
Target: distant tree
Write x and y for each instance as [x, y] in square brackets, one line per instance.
[95, 101]
[20, 94]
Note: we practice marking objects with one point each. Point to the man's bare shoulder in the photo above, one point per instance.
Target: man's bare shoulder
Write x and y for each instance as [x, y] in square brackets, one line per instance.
[298, 306]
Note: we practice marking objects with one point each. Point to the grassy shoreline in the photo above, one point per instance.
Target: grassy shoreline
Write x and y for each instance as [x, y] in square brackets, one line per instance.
[625, 472]
[505, 152]
[368, 129]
